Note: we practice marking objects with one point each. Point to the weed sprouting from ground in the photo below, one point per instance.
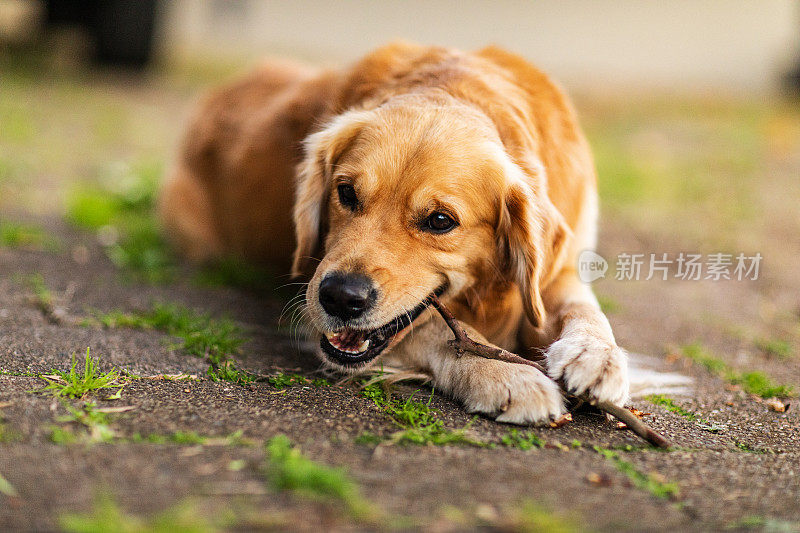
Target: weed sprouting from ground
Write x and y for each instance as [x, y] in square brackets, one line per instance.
[77, 383]
[96, 424]
[281, 381]
[122, 214]
[107, 516]
[418, 422]
[753, 382]
[16, 235]
[201, 335]
[524, 440]
[533, 517]
[288, 469]
[234, 272]
[670, 405]
[774, 347]
[652, 483]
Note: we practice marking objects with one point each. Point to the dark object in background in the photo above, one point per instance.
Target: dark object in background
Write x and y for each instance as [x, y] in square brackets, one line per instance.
[122, 30]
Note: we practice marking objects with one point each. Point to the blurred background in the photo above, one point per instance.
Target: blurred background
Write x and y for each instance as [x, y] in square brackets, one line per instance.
[690, 107]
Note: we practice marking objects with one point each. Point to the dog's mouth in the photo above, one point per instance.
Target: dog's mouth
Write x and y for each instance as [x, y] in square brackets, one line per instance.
[355, 347]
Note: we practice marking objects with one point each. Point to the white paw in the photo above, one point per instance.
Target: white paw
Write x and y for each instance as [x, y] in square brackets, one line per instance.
[590, 365]
[512, 393]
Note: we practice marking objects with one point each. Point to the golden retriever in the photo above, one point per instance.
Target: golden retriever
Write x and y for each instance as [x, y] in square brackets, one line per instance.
[416, 171]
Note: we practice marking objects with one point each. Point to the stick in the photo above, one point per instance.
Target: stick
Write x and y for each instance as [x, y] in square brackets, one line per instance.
[462, 343]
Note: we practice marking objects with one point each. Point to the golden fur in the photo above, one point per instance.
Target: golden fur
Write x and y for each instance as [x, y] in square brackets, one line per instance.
[483, 137]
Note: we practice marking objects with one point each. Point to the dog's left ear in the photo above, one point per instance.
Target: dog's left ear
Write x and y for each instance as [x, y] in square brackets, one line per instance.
[533, 237]
[313, 174]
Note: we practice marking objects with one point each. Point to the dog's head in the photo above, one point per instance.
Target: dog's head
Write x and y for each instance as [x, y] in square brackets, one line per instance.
[409, 200]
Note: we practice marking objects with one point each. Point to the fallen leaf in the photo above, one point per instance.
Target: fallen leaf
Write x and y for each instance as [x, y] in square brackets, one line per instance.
[562, 420]
[622, 425]
[637, 413]
[776, 405]
[600, 480]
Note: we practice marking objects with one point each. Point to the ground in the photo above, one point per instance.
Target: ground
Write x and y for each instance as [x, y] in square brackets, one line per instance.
[167, 445]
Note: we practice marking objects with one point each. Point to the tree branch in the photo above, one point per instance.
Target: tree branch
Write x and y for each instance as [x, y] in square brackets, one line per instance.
[463, 343]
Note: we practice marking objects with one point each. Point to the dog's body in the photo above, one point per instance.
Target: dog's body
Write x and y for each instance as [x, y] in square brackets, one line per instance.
[416, 171]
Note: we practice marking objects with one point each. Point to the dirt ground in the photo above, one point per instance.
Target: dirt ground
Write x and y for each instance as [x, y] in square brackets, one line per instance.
[690, 173]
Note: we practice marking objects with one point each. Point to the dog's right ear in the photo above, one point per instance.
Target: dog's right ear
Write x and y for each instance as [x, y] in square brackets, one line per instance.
[322, 150]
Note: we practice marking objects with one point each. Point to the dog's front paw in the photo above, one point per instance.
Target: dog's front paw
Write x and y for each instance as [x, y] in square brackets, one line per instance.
[590, 365]
[512, 393]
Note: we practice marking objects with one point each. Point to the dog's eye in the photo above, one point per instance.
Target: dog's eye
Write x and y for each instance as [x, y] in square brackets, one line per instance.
[439, 222]
[347, 196]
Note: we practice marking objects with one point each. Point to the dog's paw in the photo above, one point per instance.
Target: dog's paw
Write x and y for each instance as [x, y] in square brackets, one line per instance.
[591, 366]
[512, 393]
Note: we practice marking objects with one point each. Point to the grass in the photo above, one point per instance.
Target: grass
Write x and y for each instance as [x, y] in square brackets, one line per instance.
[652, 483]
[418, 422]
[524, 440]
[16, 235]
[753, 382]
[281, 381]
[288, 469]
[774, 347]
[762, 523]
[191, 438]
[7, 435]
[608, 304]
[6, 488]
[201, 335]
[76, 383]
[106, 515]
[41, 293]
[121, 211]
[532, 517]
[95, 423]
[670, 405]
[234, 272]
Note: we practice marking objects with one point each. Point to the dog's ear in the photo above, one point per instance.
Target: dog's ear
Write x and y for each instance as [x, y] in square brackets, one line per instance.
[322, 149]
[533, 237]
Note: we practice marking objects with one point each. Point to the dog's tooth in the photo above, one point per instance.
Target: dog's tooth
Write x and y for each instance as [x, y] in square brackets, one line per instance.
[364, 346]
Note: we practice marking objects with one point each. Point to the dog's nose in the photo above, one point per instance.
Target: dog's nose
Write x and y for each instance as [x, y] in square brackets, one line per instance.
[346, 296]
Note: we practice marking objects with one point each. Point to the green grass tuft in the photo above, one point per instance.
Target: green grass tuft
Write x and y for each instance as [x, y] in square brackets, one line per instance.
[233, 272]
[649, 482]
[670, 405]
[123, 213]
[534, 518]
[201, 335]
[774, 347]
[281, 381]
[753, 382]
[75, 384]
[288, 469]
[96, 424]
[418, 422]
[107, 516]
[524, 440]
[16, 235]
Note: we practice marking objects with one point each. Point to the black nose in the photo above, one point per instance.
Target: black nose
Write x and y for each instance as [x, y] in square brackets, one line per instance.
[346, 296]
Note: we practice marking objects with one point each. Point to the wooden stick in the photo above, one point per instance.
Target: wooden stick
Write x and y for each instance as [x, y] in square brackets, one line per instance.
[463, 343]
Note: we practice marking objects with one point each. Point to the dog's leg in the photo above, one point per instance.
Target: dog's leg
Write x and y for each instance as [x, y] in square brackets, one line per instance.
[585, 355]
[510, 392]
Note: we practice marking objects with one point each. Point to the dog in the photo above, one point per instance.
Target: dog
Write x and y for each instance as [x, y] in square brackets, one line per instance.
[417, 171]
